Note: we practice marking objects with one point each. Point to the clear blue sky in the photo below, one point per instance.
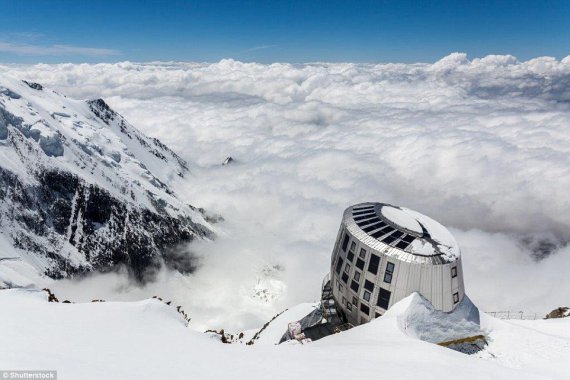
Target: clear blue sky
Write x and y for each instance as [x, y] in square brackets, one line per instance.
[286, 31]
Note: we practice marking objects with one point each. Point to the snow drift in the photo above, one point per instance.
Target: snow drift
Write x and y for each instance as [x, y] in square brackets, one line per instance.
[149, 340]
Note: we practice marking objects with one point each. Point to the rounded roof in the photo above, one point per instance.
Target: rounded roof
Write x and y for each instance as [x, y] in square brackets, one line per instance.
[409, 232]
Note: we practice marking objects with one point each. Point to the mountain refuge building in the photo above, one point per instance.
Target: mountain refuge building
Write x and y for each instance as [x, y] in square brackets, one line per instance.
[383, 253]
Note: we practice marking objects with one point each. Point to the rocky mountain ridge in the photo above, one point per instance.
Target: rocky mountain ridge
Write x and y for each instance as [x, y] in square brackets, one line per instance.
[82, 190]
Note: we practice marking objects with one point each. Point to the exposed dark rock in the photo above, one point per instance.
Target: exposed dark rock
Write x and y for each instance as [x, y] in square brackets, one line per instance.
[561, 312]
[51, 296]
[102, 227]
[35, 86]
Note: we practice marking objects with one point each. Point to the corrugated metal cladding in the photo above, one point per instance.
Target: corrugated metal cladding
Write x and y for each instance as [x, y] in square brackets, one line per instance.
[368, 276]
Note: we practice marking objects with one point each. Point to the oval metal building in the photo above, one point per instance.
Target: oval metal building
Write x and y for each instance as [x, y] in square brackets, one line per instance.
[383, 253]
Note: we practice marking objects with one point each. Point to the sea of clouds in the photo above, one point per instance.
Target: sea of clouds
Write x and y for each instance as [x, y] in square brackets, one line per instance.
[481, 145]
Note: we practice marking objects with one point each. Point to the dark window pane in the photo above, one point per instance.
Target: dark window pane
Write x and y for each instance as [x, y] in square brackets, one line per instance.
[362, 207]
[345, 278]
[339, 265]
[356, 276]
[388, 277]
[408, 238]
[373, 264]
[367, 222]
[349, 306]
[383, 298]
[453, 272]
[350, 256]
[365, 309]
[368, 286]
[377, 234]
[373, 227]
[455, 297]
[360, 264]
[367, 296]
[402, 244]
[364, 217]
[347, 268]
[398, 234]
[383, 231]
[345, 242]
[354, 286]
[365, 212]
[362, 253]
[354, 300]
[388, 239]
[390, 267]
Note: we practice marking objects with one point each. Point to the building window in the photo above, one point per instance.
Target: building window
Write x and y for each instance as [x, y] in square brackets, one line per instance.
[365, 309]
[347, 268]
[362, 253]
[389, 272]
[354, 300]
[339, 265]
[354, 286]
[360, 264]
[345, 242]
[350, 256]
[377, 315]
[345, 278]
[367, 296]
[383, 298]
[368, 285]
[455, 298]
[349, 306]
[356, 276]
[373, 264]
[453, 272]
[353, 246]
[343, 301]
[339, 286]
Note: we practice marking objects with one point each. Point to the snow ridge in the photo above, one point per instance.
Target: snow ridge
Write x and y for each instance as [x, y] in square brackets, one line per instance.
[82, 189]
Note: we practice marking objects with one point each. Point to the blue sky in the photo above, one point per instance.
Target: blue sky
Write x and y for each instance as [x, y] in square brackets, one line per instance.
[285, 31]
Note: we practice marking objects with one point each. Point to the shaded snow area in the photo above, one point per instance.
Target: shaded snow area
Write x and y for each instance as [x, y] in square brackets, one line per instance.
[149, 340]
[418, 319]
[481, 145]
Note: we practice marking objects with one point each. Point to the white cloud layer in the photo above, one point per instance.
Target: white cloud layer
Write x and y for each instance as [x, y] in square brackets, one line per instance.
[481, 145]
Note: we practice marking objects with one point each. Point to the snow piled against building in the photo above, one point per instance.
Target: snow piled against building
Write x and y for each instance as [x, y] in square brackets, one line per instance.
[149, 340]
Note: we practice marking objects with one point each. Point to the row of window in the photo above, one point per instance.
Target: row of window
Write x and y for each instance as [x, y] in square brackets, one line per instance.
[383, 299]
[354, 284]
[369, 222]
[373, 264]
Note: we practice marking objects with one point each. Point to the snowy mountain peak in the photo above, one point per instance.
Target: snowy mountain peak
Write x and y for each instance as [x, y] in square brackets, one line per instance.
[82, 189]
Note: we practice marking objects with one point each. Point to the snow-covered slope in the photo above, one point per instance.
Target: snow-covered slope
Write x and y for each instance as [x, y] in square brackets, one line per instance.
[149, 340]
[81, 189]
